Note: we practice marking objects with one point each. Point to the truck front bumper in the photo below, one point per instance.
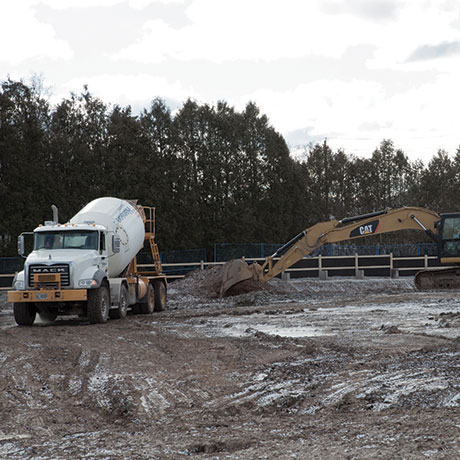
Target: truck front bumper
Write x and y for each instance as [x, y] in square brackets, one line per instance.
[48, 295]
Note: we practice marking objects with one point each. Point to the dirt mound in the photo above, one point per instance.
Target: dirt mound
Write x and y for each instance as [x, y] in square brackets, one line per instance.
[203, 286]
[206, 284]
[200, 283]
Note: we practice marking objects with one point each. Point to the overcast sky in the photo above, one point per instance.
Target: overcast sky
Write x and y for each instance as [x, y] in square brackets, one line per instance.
[352, 71]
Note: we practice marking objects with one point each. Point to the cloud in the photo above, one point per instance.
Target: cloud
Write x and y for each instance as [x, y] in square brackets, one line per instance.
[417, 23]
[65, 4]
[377, 10]
[24, 37]
[268, 30]
[130, 89]
[425, 52]
[358, 114]
[328, 105]
[231, 30]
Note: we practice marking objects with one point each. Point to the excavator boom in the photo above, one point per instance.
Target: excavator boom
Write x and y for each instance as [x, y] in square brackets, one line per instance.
[331, 231]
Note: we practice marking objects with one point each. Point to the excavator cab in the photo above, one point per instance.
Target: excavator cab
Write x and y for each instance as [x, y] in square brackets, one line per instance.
[449, 238]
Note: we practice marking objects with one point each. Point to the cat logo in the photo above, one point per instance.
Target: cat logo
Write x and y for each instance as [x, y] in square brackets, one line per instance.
[366, 230]
[369, 229]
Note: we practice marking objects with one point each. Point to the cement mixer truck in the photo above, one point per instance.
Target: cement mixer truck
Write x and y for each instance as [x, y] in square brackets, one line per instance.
[88, 266]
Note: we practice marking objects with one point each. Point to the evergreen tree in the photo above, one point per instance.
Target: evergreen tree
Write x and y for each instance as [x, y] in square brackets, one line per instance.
[439, 183]
[25, 175]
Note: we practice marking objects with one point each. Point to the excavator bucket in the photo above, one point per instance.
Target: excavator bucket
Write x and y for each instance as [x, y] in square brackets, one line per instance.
[235, 271]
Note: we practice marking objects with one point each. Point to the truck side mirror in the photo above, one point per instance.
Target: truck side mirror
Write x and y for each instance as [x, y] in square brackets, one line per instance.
[21, 245]
[115, 244]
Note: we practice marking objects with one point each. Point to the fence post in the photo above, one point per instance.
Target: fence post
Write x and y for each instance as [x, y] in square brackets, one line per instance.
[202, 266]
[358, 273]
[394, 272]
[426, 260]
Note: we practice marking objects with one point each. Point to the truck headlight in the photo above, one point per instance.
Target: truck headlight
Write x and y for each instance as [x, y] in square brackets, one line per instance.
[87, 283]
[19, 285]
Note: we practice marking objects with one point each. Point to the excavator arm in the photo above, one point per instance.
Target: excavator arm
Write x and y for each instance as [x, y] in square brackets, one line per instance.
[332, 231]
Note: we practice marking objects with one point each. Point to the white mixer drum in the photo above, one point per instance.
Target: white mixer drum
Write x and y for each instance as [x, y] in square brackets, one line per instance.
[119, 217]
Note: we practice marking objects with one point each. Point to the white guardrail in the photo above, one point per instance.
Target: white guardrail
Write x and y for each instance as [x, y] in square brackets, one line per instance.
[324, 269]
[393, 264]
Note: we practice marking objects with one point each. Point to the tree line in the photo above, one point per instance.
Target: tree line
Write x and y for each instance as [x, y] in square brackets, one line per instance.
[213, 173]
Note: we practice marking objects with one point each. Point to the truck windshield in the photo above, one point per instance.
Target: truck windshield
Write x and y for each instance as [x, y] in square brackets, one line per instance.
[70, 239]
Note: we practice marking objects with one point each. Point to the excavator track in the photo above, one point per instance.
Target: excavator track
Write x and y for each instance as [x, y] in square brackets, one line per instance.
[438, 278]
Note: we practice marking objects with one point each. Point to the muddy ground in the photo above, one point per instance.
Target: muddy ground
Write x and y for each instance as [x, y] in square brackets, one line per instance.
[337, 369]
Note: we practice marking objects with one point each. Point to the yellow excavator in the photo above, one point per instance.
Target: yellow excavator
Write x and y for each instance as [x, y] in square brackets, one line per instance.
[444, 229]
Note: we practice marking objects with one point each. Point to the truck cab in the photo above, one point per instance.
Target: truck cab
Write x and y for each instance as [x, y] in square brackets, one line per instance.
[66, 261]
[60, 249]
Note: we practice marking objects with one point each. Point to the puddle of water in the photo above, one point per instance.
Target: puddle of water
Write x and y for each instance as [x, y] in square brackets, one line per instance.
[302, 331]
[241, 328]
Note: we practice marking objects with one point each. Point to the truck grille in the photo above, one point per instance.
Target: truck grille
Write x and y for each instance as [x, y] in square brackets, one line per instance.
[42, 270]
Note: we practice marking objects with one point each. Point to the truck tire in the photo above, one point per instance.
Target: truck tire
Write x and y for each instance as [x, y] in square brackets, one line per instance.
[24, 313]
[98, 305]
[148, 306]
[122, 310]
[160, 295]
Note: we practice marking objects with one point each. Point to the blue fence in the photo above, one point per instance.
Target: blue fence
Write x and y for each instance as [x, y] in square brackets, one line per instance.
[227, 251]
[182, 257]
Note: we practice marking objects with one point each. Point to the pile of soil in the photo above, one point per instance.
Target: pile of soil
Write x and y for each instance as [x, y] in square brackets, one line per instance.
[204, 284]
[201, 288]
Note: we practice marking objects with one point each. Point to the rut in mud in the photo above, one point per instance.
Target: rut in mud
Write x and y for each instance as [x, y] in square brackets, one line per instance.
[340, 369]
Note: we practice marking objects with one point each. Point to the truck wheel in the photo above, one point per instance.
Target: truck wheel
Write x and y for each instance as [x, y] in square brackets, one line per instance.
[24, 313]
[160, 295]
[148, 306]
[122, 310]
[98, 305]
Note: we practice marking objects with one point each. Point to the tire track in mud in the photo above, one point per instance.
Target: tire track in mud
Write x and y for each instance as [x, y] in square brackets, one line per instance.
[334, 382]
